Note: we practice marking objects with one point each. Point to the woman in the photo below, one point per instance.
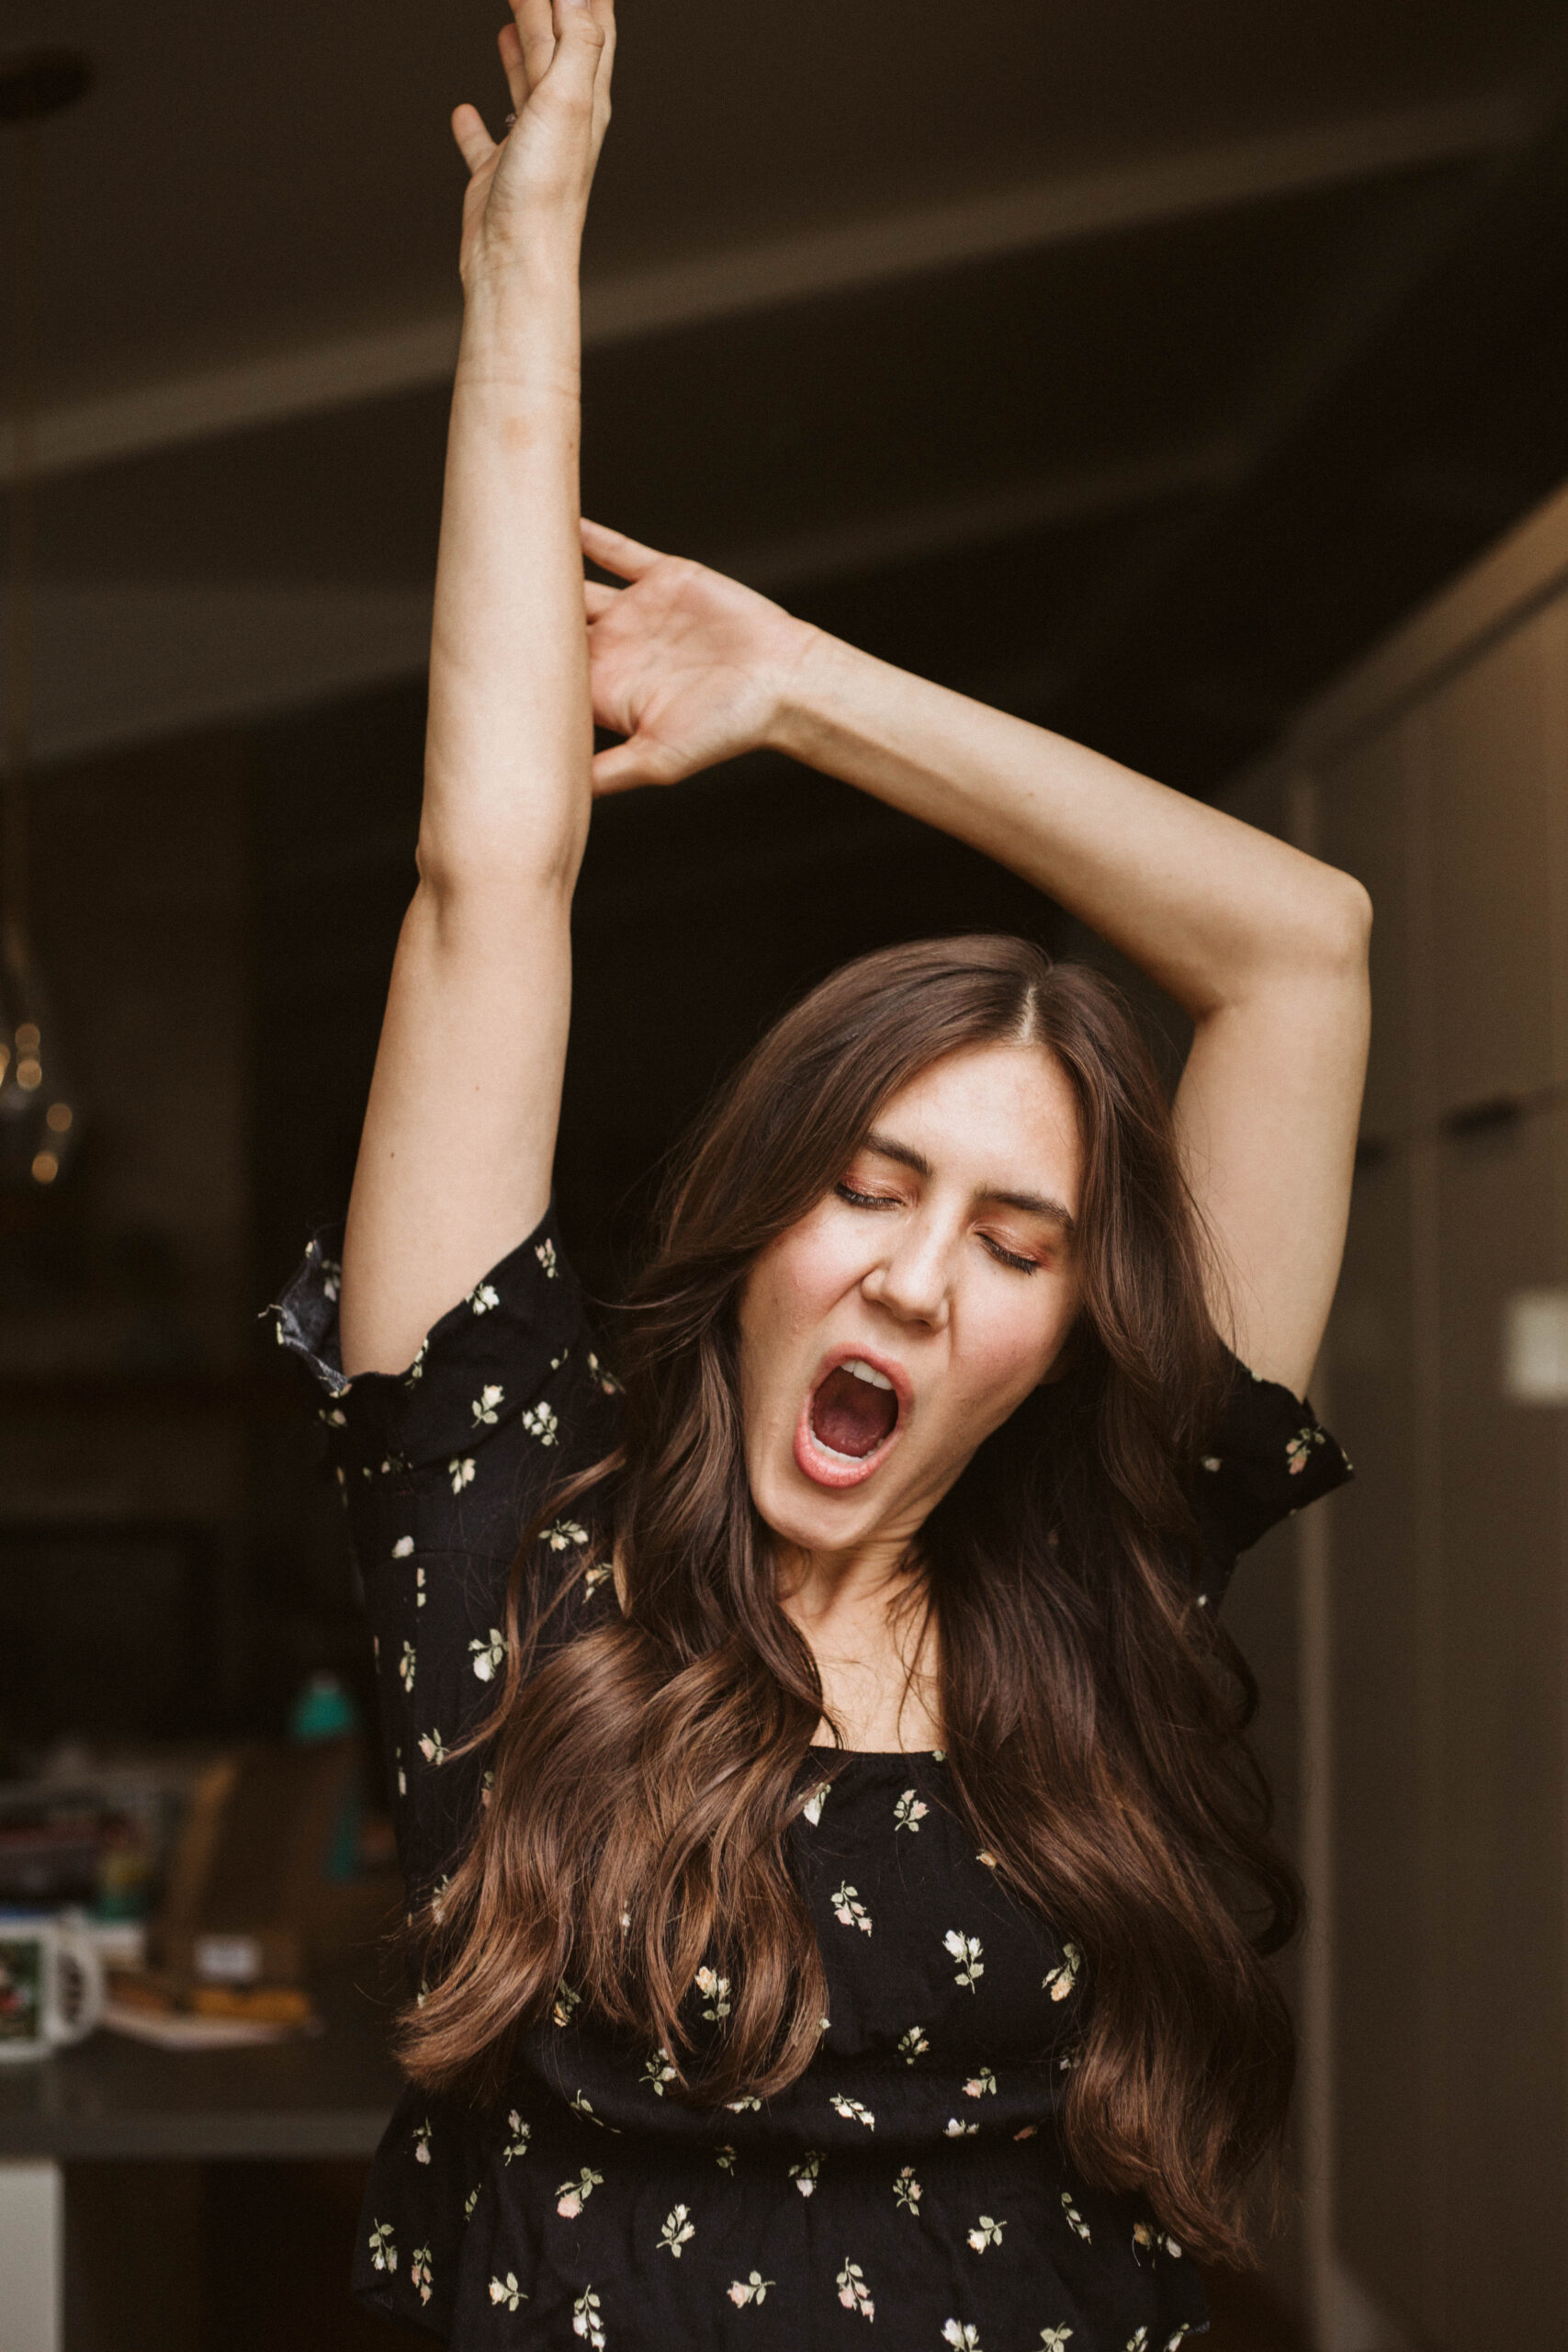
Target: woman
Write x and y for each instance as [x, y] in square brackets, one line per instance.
[837, 1882]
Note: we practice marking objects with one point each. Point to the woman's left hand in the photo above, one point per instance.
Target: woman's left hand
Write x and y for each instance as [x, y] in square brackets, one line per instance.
[690, 667]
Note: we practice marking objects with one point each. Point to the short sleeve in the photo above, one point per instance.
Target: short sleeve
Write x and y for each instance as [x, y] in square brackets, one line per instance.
[442, 1466]
[1270, 1457]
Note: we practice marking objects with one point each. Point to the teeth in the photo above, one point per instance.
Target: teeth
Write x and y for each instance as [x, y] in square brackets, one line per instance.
[867, 1373]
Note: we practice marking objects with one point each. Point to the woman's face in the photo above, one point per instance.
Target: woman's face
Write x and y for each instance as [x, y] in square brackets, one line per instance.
[884, 1336]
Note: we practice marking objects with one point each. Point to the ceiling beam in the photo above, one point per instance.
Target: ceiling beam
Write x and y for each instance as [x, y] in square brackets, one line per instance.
[416, 355]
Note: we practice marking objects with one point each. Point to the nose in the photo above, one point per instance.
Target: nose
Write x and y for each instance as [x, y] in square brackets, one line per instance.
[912, 1280]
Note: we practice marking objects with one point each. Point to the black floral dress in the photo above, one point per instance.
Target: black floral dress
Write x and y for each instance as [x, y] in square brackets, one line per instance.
[911, 2175]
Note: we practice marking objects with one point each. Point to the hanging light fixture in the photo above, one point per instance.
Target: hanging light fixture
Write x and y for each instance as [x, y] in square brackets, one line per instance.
[41, 1117]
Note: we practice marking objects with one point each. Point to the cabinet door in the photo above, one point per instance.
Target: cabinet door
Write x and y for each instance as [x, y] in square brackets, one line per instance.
[1366, 824]
[1499, 2057]
[1383, 1924]
[1492, 761]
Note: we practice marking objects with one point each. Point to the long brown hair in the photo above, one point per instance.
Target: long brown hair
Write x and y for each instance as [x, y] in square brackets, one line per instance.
[646, 1776]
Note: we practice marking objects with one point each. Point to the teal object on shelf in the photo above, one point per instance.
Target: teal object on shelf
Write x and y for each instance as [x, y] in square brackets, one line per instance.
[325, 1709]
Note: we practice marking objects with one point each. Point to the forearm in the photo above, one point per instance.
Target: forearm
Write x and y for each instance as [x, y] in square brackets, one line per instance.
[1211, 909]
[510, 736]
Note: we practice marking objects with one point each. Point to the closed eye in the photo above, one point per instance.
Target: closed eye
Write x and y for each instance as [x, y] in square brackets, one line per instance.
[866, 1199]
[1011, 1256]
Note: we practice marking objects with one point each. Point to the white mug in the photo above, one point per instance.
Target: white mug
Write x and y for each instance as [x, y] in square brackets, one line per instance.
[51, 1986]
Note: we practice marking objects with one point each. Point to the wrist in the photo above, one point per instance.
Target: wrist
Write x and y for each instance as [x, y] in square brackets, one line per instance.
[804, 685]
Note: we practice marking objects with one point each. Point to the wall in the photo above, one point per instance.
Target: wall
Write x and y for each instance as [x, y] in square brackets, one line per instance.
[1437, 774]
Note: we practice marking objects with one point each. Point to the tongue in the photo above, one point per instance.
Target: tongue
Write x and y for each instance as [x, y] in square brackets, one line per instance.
[851, 1416]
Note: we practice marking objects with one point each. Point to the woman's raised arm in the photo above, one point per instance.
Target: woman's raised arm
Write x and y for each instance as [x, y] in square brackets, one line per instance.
[454, 1161]
[1264, 948]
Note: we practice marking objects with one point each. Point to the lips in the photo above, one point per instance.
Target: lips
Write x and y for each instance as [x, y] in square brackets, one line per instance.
[850, 1419]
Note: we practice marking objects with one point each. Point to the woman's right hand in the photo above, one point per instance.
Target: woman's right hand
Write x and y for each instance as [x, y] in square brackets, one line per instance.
[558, 60]
[691, 668]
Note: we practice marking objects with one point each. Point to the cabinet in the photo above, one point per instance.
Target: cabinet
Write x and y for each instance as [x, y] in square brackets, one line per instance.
[1438, 775]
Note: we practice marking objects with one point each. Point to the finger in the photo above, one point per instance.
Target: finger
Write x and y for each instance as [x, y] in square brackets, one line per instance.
[628, 559]
[579, 45]
[474, 140]
[537, 38]
[599, 600]
[622, 769]
[513, 66]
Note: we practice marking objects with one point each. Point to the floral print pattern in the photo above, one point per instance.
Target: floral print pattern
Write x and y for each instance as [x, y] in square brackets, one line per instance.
[955, 2020]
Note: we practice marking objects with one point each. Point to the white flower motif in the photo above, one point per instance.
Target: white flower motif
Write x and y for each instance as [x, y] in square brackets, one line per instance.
[406, 1666]
[812, 1808]
[403, 1548]
[805, 2174]
[419, 2271]
[854, 2292]
[582, 2105]
[433, 1748]
[489, 1656]
[422, 2143]
[607, 1381]
[1053, 2339]
[986, 2232]
[1212, 1464]
[484, 1405]
[749, 2104]
[910, 1811]
[482, 1299]
[1061, 1980]
[545, 1254]
[1299, 1452]
[573, 2195]
[1075, 2220]
[332, 1277]
[419, 1591]
[521, 2135]
[907, 2190]
[471, 2199]
[753, 2290]
[678, 2230]
[1149, 2238]
[542, 1423]
[568, 2001]
[714, 1990]
[593, 1576]
[507, 2292]
[1138, 2342]
[956, 2129]
[965, 1951]
[723, 2157]
[852, 2110]
[461, 1472]
[963, 2335]
[586, 2322]
[849, 1910]
[980, 2083]
[416, 1370]
[913, 2045]
[383, 2251]
[658, 2071]
[563, 1534]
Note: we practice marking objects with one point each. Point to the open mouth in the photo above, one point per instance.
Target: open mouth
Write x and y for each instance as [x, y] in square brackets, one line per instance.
[848, 1421]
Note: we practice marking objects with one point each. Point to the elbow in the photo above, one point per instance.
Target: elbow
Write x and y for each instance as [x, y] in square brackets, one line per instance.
[1342, 924]
[548, 868]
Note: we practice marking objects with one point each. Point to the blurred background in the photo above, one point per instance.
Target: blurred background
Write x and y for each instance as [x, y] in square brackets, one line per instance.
[1187, 376]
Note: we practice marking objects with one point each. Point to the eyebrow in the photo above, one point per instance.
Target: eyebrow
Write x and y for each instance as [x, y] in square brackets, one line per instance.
[1031, 1203]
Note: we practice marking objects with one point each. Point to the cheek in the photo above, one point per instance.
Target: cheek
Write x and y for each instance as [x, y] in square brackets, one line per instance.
[1014, 1345]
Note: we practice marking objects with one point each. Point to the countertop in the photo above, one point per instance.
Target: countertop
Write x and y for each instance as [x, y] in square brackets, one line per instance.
[323, 2095]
